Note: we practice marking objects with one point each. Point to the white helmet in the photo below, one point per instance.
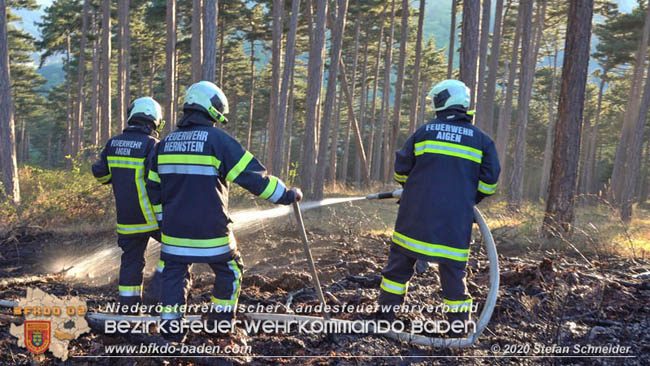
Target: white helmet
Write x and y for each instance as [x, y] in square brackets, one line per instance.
[206, 97]
[449, 93]
[148, 108]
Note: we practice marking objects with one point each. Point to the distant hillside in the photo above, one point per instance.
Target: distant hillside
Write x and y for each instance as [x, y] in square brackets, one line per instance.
[53, 73]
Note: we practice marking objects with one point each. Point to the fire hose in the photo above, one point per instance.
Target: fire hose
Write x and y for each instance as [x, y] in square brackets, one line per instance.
[481, 323]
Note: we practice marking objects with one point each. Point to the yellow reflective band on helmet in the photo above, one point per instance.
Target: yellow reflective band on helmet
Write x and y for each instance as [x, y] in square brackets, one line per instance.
[393, 287]
[487, 188]
[400, 178]
[153, 176]
[449, 149]
[189, 159]
[270, 188]
[432, 250]
[239, 167]
[195, 243]
[458, 306]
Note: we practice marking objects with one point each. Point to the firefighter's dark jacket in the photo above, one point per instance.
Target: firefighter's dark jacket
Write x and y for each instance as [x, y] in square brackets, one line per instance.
[123, 162]
[447, 166]
[188, 185]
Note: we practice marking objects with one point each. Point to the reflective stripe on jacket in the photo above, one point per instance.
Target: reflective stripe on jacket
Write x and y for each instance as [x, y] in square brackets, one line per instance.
[447, 166]
[123, 163]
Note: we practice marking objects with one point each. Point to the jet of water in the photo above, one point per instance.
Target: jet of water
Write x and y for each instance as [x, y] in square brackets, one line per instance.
[98, 265]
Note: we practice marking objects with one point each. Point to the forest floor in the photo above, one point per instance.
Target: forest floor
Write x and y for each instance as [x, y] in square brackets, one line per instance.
[591, 291]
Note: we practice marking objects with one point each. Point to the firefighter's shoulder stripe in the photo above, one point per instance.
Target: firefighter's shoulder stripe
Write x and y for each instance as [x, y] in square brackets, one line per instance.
[433, 250]
[239, 167]
[449, 149]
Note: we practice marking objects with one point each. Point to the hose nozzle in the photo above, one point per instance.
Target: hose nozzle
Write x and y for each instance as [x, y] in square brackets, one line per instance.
[384, 195]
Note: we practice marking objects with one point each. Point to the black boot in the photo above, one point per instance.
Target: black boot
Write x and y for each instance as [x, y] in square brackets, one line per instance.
[455, 319]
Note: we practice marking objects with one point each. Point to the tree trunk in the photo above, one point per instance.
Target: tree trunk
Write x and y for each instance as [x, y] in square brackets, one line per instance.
[516, 191]
[276, 155]
[559, 214]
[482, 61]
[644, 192]
[222, 58]
[469, 46]
[489, 99]
[197, 40]
[397, 106]
[314, 84]
[94, 99]
[546, 167]
[69, 135]
[415, 93]
[375, 138]
[81, 71]
[452, 36]
[8, 162]
[170, 65]
[591, 157]
[290, 114]
[362, 109]
[385, 100]
[210, 18]
[629, 117]
[355, 125]
[122, 62]
[152, 71]
[634, 151]
[330, 94]
[423, 105]
[251, 98]
[105, 83]
[346, 143]
[503, 129]
[273, 125]
[331, 170]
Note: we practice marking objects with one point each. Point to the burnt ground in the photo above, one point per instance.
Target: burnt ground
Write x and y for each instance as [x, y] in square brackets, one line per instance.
[546, 298]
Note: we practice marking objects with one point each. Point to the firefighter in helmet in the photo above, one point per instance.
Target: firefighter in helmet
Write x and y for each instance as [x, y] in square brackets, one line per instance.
[123, 164]
[446, 167]
[189, 177]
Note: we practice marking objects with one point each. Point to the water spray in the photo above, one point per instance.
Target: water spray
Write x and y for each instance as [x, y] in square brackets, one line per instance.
[109, 257]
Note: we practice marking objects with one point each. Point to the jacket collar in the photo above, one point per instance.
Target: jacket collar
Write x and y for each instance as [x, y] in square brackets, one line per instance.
[191, 117]
[452, 115]
[140, 128]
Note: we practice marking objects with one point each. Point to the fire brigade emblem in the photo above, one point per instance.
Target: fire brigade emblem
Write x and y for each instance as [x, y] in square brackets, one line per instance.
[37, 335]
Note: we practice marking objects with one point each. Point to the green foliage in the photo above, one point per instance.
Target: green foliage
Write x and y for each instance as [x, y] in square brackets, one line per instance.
[52, 198]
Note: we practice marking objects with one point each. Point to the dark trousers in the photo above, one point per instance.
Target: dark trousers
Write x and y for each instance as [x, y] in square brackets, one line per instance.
[398, 273]
[225, 291]
[132, 267]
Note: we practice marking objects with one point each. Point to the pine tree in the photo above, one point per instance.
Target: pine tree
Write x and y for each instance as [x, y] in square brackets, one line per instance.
[559, 214]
